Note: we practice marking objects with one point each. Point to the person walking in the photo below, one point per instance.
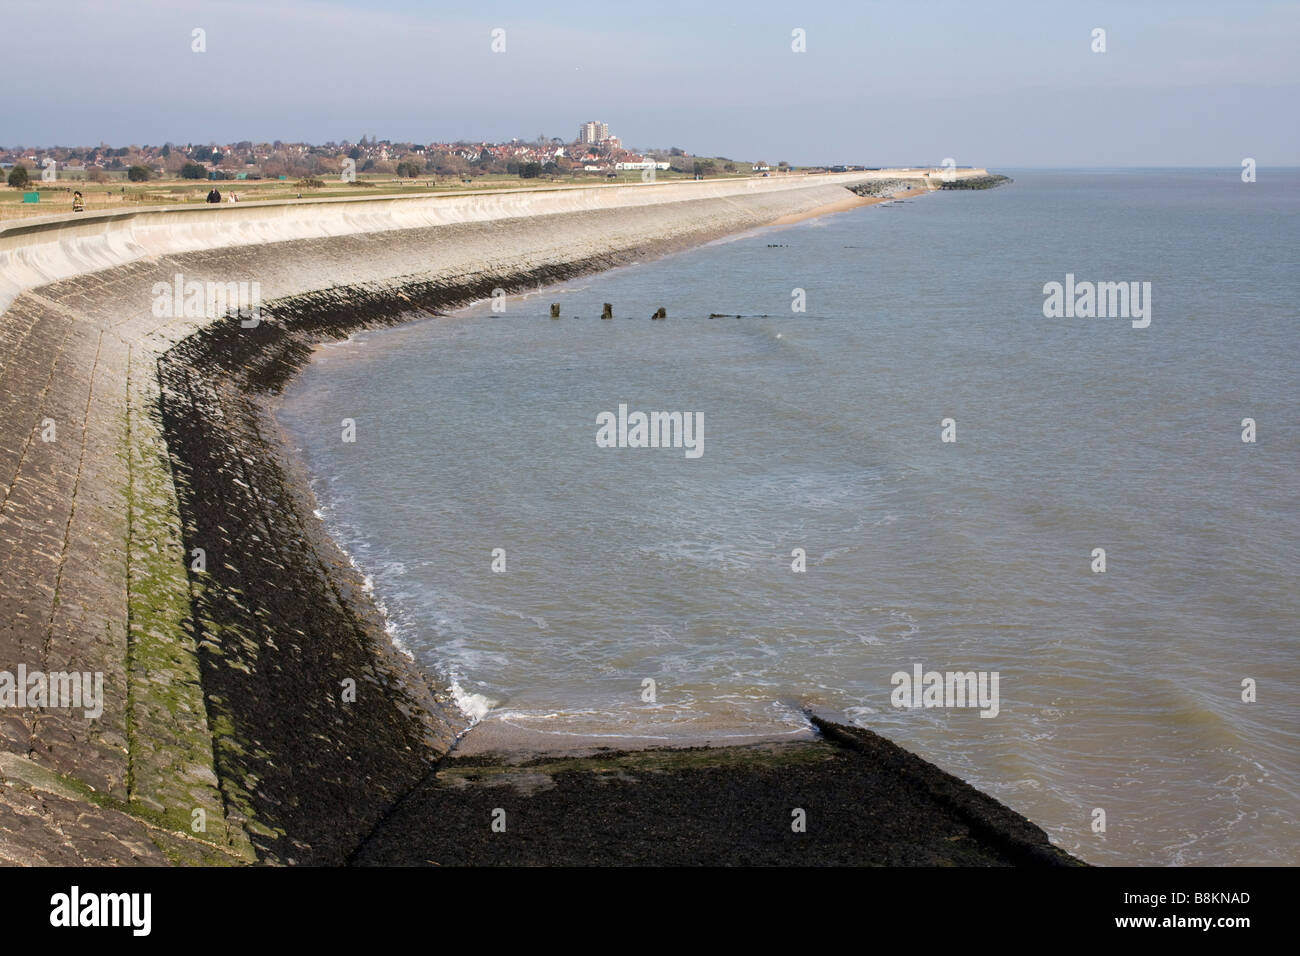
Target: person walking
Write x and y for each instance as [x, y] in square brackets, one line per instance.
[78, 204]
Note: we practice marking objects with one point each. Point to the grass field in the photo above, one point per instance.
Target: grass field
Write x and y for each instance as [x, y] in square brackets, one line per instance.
[118, 193]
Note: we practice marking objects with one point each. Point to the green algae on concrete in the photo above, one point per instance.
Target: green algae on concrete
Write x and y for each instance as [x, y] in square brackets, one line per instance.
[171, 771]
[178, 848]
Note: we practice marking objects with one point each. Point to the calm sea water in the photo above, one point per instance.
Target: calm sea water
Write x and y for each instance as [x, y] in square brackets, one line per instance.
[1119, 690]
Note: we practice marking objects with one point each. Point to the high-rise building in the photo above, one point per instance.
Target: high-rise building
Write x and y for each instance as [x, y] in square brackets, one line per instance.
[593, 132]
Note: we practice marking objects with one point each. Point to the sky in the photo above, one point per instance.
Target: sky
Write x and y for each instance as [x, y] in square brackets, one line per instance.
[998, 84]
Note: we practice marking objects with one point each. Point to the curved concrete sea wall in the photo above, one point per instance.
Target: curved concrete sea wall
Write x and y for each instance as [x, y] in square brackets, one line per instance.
[155, 536]
[222, 732]
[36, 253]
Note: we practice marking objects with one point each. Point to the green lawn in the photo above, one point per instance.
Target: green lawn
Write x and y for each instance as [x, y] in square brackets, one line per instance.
[118, 193]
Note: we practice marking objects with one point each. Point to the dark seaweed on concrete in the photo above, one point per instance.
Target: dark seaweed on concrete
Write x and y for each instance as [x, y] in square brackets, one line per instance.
[281, 614]
[866, 802]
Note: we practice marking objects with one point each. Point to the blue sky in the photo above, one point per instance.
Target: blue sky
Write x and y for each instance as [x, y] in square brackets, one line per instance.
[998, 84]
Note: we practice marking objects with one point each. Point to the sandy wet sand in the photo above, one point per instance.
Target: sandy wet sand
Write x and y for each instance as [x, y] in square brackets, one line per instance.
[844, 205]
[505, 735]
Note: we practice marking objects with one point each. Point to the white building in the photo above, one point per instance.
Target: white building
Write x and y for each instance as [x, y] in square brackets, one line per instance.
[593, 131]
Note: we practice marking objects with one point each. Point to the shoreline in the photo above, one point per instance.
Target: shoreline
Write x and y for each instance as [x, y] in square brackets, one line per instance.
[267, 674]
[844, 205]
[497, 732]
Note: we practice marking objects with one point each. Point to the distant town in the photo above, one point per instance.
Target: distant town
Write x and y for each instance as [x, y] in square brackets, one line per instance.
[593, 151]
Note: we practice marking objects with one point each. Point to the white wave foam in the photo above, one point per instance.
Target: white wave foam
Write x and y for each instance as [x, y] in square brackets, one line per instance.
[474, 706]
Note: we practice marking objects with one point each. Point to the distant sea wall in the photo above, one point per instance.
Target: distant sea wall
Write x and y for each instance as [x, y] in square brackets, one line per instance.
[152, 533]
[37, 253]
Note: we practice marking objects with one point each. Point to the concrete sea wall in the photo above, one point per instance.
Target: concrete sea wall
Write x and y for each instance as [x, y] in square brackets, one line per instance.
[95, 572]
[36, 253]
[153, 532]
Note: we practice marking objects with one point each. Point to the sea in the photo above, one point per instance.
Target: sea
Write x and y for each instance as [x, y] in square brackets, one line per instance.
[902, 463]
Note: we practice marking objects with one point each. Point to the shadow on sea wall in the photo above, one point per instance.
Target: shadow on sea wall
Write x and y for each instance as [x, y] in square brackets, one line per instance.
[852, 798]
